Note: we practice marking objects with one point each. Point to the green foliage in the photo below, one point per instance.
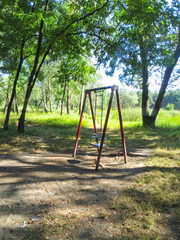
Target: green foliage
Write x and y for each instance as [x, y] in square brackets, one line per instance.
[172, 97]
[144, 23]
[19, 24]
[75, 68]
[170, 106]
[128, 99]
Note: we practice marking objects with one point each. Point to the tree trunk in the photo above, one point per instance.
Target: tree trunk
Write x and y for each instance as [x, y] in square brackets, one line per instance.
[7, 99]
[63, 96]
[39, 104]
[31, 107]
[145, 90]
[14, 106]
[57, 106]
[23, 113]
[81, 99]
[6, 122]
[165, 81]
[50, 97]
[16, 103]
[35, 70]
[68, 99]
[44, 99]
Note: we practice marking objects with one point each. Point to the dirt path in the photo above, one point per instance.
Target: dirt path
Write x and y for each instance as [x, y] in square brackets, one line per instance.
[34, 185]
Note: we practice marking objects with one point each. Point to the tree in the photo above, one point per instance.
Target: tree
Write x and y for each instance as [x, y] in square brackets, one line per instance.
[128, 99]
[17, 31]
[172, 97]
[71, 71]
[67, 26]
[7, 98]
[14, 86]
[69, 17]
[147, 37]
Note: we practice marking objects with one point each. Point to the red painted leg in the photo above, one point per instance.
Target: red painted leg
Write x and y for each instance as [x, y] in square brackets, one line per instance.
[104, 130]
[121, 127]
[93, 117]
[79, 127]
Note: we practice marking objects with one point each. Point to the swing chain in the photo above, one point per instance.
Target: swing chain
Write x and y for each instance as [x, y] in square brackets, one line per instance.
[98, 93]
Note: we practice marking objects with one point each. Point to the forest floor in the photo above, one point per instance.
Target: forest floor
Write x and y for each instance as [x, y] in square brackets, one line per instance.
[55, 196]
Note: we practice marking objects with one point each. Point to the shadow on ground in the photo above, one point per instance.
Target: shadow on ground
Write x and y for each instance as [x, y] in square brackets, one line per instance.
[33, 185]
[37, 185]
[67, 198]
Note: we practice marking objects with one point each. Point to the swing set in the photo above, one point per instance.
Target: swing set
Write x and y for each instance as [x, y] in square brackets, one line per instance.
[100, 139]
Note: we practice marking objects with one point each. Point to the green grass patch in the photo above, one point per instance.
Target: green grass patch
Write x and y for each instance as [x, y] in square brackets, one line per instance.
[58, 132]
[153, 200]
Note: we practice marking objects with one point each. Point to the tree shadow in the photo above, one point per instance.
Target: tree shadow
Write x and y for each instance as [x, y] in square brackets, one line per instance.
[23, 175]
[76, 177]
[58, 177]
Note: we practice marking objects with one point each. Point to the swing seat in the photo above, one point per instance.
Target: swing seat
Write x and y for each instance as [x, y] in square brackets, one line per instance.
[98, 143]
[99, 138]
[94, 136]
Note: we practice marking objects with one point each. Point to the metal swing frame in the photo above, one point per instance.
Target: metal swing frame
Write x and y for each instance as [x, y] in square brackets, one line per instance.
[114, 88]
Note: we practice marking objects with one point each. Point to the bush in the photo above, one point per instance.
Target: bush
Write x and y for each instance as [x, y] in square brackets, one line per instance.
[170, 106]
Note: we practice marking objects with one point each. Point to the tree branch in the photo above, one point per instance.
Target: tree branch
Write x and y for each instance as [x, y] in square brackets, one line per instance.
[80, 19]
[89, 34]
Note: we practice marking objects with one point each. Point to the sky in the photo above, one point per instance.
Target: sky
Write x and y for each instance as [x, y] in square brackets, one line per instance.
[114, 80]
[109, 81]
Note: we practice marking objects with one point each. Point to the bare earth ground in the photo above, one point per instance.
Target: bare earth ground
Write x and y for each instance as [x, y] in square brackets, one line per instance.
[33, 186]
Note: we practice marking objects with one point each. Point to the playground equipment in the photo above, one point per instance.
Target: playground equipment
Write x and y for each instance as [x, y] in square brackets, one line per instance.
[100, 144]
[97, 137]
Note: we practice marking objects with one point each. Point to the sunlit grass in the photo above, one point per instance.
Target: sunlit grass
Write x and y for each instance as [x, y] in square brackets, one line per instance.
[63, 129]
[54, 119]
[168, 118]
[131, 117]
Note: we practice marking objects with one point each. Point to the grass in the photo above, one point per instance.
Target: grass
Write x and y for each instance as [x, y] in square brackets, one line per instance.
[147, 209]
